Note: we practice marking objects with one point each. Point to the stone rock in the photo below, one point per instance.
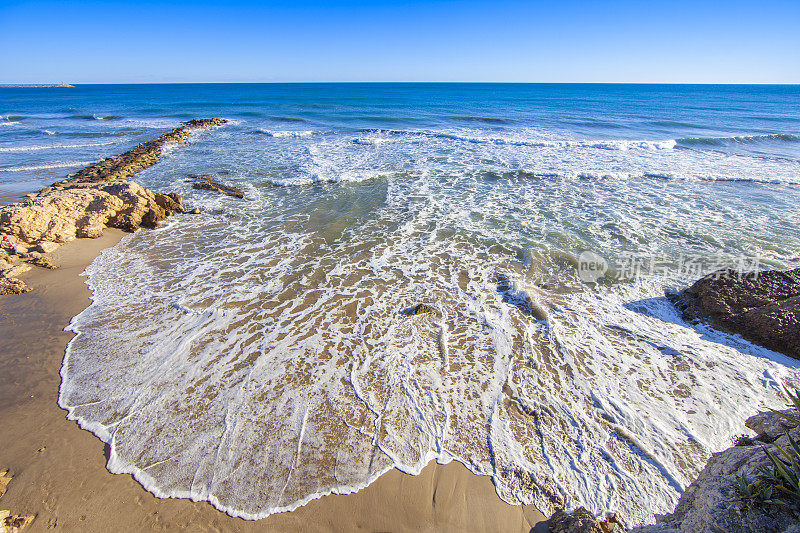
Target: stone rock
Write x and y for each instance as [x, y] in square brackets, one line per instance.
[713, 504]
[42, 261]
[13, 523]
[46, 247]
[419, 309]
[770, 425]
[12, 286]
[206, 183]
[195, 211]
[16, 270]
[579, 521]
[763, 307]
[143, 156]
[170, 202]
[5, 479]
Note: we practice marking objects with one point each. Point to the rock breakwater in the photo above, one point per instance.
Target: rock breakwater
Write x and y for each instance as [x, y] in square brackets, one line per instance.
[85, 203]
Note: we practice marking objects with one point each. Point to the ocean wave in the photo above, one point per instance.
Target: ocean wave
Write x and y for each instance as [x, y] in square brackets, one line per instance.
[743, 139]
[65, 164]
[677, 124]
[523, 174]
[283, 134]
[52, 146]
[485, 120]
[96, 117]
[289, 119]
[597, 144]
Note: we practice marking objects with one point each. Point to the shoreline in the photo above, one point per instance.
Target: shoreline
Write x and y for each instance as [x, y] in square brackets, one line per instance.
[60, 470]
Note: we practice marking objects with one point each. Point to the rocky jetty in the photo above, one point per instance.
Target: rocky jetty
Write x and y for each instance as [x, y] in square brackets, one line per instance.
[143, 156]
[763, 307]
[84, 204]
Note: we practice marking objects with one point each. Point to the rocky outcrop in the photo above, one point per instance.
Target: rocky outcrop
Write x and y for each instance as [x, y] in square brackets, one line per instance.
[84, 204]
[763, 307]
[206, 183]
[75, 209]
[13, 523]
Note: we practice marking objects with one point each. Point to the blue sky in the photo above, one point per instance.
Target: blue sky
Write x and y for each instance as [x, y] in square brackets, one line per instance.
[303, 40]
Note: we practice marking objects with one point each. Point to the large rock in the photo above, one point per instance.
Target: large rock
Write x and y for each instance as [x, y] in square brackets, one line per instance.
[80, 210]
[12, 286]
[763, 307]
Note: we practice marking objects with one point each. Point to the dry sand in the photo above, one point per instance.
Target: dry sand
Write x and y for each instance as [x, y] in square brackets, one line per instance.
[59, 469]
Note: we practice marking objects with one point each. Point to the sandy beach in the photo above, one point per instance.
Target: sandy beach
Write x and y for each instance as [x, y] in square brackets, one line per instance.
[59, 470]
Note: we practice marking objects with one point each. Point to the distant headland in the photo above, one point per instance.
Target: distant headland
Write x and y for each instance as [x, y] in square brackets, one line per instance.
[29, 85]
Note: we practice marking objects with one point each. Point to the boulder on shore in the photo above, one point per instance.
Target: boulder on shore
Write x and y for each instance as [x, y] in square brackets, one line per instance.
[763, 307]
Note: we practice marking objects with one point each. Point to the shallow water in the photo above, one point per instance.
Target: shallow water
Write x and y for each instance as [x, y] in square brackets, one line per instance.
[256, 355]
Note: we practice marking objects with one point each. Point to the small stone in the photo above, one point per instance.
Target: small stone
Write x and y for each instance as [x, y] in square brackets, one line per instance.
[195, 211]
[580, 520]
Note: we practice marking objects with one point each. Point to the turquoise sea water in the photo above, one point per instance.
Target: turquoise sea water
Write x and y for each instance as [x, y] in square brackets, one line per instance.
[255, 355]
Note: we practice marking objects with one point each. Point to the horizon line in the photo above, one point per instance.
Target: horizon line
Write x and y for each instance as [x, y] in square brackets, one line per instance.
[9, 85]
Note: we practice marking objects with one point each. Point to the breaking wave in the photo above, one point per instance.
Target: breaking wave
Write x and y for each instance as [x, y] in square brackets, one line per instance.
[744, 139]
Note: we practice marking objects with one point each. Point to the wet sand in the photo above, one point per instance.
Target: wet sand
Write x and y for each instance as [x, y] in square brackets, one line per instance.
[59, 469]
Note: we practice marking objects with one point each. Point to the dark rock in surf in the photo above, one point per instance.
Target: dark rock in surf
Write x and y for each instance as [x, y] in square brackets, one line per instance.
[763, 307]
[581, 520]
[206, 183]
[170, 202]
[419, 309]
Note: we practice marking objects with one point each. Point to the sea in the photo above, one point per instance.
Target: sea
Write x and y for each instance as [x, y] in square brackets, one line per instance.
[268, 351]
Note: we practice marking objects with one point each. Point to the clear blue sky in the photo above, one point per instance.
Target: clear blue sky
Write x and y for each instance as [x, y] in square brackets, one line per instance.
[306, 40]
